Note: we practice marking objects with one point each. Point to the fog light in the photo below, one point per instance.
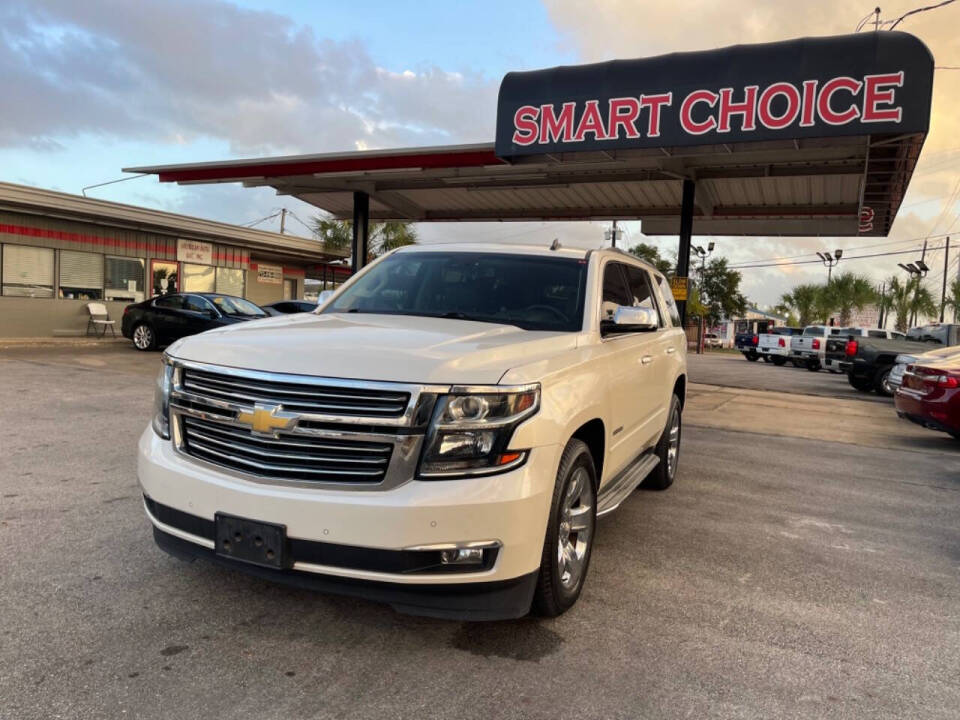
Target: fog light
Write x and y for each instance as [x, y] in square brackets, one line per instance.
[462, 556]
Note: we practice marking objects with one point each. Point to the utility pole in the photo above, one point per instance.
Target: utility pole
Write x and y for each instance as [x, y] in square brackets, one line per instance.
[946, 262]
[611, 234]
[283, 220]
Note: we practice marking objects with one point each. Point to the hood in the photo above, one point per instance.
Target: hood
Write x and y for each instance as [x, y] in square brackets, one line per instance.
[397, 348]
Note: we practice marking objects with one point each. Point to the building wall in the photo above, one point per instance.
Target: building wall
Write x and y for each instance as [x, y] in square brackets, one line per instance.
[48, 317]
[39, 317]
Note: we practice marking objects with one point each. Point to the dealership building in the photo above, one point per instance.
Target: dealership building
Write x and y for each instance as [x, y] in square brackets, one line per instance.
[59, 252]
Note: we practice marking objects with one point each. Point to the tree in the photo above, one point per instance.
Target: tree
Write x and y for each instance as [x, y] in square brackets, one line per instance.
[885, 300]
[921, 300]
[909, 300]
[384, 236]
[849, 292]
[952, 300]
[802, 301]
[720, 292]
[899, 298]
[651, 254]
[823, 305]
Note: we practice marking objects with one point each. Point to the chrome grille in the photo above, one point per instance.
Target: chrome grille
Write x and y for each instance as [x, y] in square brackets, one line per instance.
[304, 396]
[287, 456]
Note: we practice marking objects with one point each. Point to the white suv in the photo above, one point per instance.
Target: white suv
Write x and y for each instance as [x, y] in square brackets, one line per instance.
[441, 434]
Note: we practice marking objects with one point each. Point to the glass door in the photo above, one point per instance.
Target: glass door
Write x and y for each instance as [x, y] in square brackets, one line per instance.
[164, 277]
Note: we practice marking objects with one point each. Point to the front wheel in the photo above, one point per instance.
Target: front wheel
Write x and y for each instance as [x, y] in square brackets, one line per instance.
[883, 386]
[668, 450]
[144, 338]
[570, 530]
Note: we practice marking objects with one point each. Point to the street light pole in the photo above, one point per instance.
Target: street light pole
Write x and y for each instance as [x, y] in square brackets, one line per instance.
[830, 260]
[698, 249]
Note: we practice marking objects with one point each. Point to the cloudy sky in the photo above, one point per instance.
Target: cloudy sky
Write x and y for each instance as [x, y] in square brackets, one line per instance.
[90, 87]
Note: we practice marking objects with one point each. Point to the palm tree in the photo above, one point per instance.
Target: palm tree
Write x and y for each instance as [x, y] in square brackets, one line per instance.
[802, 301]
[849, 292]
[885, 300]
[899, 298]
[384, 236]
[824, 304]
[952, 300]
[921, 300]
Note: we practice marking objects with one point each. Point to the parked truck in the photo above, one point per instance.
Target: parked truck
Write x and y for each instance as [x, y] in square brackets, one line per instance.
[747, 337]
[440, 435]
[775, 346]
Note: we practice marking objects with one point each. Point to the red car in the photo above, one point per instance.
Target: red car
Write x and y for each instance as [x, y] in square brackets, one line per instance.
[930, 394]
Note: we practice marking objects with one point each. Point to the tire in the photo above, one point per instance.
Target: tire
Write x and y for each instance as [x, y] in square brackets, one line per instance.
[144, 338]
[751, 358]
[663, 474]
[859, 383]
[882, 384]
[767, 359]
[561, 579]
[779, 361]
[813, 366]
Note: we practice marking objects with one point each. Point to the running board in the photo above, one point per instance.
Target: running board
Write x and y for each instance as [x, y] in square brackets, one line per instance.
[617, 490]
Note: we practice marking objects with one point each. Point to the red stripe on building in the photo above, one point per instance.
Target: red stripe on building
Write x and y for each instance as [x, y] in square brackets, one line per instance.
[146, 247]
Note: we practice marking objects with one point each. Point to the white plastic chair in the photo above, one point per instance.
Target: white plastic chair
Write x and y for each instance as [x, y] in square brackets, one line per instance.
[100, 320]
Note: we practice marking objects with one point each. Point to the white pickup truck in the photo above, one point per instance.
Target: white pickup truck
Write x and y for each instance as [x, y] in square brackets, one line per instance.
[441, 434]
[774, 346]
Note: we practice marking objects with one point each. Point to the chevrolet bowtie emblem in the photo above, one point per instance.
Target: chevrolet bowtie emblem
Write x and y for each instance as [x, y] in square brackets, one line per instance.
[267, 419]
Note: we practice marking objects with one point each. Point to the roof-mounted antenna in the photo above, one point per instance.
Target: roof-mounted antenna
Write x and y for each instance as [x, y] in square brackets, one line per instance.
[555, 245]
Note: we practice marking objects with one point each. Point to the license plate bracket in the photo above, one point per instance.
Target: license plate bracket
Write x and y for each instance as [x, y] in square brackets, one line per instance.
[251, 541]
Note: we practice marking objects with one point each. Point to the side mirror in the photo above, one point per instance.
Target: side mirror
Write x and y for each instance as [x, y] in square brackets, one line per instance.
[324, 296]
[630, 319]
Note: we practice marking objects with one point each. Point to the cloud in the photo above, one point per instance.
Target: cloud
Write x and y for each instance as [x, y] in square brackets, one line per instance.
[173, 70]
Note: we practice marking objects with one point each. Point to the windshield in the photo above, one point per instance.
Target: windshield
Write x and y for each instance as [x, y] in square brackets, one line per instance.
[531, 292]
[814, 330]
[236, 306]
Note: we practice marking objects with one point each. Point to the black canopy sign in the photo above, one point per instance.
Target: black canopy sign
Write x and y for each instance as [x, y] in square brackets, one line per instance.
[870, 83]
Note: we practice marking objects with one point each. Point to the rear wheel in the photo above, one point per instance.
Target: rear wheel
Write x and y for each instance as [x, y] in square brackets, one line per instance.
[144, 338]
[570, 530]
[751, 357]
[767, 358]
[779, 361]
[882, 385]
[668, 450]
[813, 365]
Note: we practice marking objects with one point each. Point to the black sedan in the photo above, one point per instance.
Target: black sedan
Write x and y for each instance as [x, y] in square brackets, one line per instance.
[284, 307]
[161, 320]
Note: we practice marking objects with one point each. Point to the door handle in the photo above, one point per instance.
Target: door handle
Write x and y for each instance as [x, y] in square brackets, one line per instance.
[671, 350]
[646, 359]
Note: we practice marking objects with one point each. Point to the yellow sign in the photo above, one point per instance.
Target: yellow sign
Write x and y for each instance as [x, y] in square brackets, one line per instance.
[266, 419]
[678, 286]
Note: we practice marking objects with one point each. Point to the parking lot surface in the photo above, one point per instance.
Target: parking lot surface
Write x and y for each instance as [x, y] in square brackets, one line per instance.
[734, 370]
[782, 576]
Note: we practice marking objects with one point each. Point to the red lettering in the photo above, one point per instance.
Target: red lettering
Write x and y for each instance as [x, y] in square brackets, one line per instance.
[525, 125]
[551, 125]
[809, 103]
[655, 102]
[590, 122]
[874, 95]
[747, 109]
[767, 118]
[686, 112]
[623, 113]
[824, 107]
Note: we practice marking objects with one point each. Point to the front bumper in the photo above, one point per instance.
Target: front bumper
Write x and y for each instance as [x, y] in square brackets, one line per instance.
[510, 509]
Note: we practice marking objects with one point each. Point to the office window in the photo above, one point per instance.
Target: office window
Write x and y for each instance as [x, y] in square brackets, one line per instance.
[27, 271]
[230, 281]
[123, 279]
[198, 278]
[81, 275]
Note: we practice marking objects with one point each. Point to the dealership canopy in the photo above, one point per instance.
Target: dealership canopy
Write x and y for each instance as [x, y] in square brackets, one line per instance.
[814, 136]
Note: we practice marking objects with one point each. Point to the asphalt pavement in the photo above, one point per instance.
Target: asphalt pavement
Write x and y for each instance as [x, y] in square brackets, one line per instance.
[734, 370]
[780, 577]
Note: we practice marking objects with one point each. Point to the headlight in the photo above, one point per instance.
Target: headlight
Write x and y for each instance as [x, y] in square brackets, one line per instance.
[471, 429]
[161, 399]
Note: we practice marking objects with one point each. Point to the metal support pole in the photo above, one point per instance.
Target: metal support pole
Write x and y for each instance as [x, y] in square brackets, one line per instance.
[361, 230]
[686, 233]
[946, 263]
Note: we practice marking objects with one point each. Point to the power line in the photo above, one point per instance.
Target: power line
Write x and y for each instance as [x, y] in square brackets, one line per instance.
[845, 258]
[83, 191]
[263, 219]
[919, 10]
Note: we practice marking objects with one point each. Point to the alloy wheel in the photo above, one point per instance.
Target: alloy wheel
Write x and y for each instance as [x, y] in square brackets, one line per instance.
[142, 337]
[673, 443]
[576, 529]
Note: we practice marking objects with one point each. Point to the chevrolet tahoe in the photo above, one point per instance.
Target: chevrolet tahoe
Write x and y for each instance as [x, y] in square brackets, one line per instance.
[441, 434]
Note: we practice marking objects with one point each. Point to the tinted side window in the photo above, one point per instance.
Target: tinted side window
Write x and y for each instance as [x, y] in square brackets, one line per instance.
[615, 292]
[171, 302]
[876, 333]
[667, 294]
[640, 291]
[196, 304]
